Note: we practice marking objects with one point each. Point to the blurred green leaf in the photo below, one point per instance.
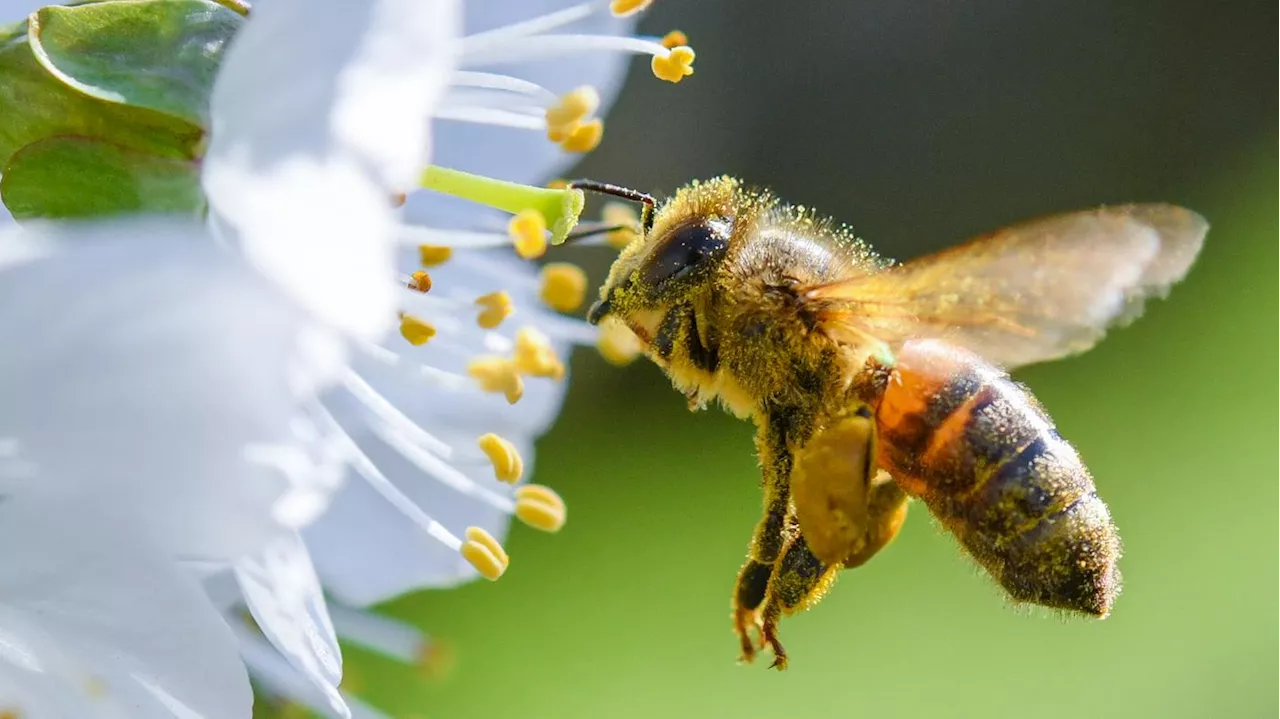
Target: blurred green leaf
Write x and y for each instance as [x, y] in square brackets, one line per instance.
[64, 177]
[35, 105]
[161, 55]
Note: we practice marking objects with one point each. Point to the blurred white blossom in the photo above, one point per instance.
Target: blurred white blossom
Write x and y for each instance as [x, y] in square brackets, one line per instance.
[224, 403]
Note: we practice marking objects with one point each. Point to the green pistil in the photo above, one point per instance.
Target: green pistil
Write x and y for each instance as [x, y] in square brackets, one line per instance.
[559, 208]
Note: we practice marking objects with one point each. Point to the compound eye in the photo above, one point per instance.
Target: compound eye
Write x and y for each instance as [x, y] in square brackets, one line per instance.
[686, 250]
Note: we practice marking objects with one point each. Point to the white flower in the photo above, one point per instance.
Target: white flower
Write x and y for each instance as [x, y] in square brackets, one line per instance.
[200, 392]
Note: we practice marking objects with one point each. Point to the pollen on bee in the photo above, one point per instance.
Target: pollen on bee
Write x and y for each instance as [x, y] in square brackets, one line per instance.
[624, 217]
[534, 355]
[625, 8]
[676, 65]
[508, 466]
[617, 343]
[528, 233]
[416, 331]
[420, 281]
[497, 374]
[540, 507]
[563, 286]
[494, 308]
[432, 255]
[674, 39]
[484, 553]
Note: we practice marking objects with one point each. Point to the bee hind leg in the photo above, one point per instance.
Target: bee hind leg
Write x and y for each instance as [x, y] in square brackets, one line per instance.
[799, 581]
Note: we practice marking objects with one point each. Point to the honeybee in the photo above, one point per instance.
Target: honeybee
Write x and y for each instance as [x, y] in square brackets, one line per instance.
[871, 382]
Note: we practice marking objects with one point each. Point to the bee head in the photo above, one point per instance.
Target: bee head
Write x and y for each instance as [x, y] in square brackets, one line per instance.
[674, 260]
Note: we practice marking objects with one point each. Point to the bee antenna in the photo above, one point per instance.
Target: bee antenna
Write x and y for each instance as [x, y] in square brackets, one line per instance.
[626, 193]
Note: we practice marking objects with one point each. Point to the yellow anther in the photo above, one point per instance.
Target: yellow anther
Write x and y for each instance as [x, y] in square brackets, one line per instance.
[528, 232]
[558, 185]
[574, 107]
[416, 331]
[620, 214]
[495, 307]
[497, 374]
[535, 356]
[432, 255]
[585, 137]
[564, 286]
[674, 39]
[507, 464]
[623, 8]
[420, 281]
[484, 553]
[540, 507]
[617, 343]
[676, 65]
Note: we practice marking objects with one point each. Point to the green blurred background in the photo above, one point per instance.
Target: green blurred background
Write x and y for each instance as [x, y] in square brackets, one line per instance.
[922, 122]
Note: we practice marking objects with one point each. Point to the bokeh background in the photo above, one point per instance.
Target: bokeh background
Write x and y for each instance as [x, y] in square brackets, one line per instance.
[921, 122]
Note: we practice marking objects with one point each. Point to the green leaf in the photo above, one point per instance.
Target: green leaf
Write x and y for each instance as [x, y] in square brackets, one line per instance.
[35, 105]
[65, 177]
[158, 54]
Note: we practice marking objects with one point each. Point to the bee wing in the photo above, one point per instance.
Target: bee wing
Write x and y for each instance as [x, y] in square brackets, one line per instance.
[1031, 292]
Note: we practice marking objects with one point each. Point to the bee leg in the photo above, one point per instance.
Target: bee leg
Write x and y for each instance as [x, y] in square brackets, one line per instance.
[799, 581]
[771, 533]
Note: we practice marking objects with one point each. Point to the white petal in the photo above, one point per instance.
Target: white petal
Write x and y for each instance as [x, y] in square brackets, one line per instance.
[97, 611]
[284, 596]
[319, 114]
[140, 361]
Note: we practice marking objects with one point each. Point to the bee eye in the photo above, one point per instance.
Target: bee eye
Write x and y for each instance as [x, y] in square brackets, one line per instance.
[686, 249]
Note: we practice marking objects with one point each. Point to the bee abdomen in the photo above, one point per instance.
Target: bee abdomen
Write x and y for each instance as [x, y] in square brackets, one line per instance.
[1038, 526]
[978, 449]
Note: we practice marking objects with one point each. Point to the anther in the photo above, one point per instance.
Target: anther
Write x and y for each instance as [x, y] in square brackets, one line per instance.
[563, 286]
[497, 374]
[484, 553]
[417, 332]
[624, 8]
[585, 137]
[676, 65]
[540, 507]
[535, 356]
[495, 307]
[508, 466]
[420, 281]
[617, 343]
[574, 107]
[623, 216]
[528, 232]
[432, 255]
[674, 39]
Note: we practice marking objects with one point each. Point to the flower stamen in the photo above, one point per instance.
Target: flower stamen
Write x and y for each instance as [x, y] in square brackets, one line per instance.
[528, 232]
[508, 466]
[497, 374]
[675, 65]
[540, 507]
[416, 331]
[419, 281]
[563, 286]
[495, 307]
[485, 553]
[535, 356]
[624, 8]
[674, 39]
[617, 343]
[433, 255]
